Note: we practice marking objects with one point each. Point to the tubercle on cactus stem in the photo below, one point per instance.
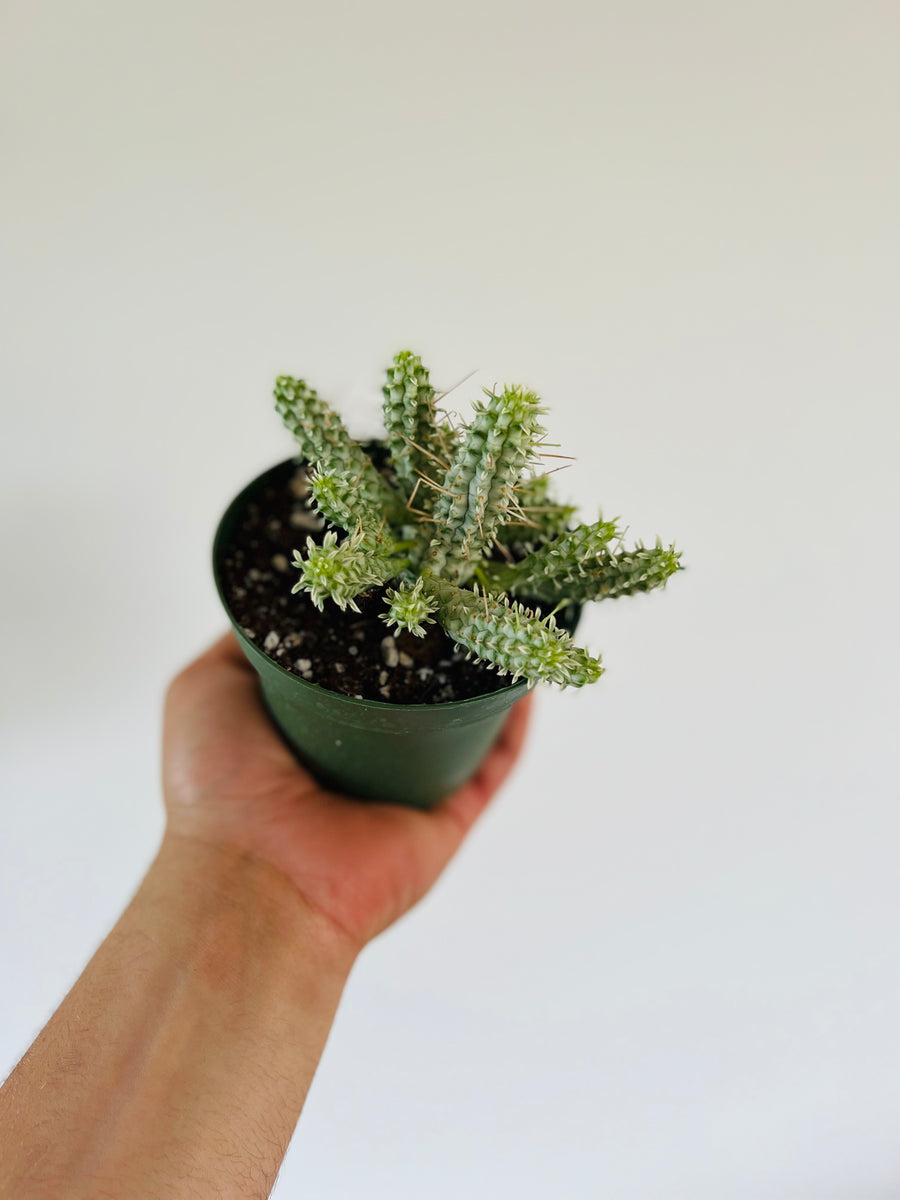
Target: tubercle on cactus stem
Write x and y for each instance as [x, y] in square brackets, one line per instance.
[430, 528]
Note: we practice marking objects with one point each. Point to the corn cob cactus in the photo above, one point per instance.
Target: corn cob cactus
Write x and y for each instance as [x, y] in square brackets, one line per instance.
[436, 527]
[478, 491]
[512, 638]
[325, 442]
[420, 444]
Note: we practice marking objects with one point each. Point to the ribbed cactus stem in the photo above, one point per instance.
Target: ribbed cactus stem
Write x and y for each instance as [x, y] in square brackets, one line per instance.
[555, 565]
[479, 489]
[511, 638]
[322, 438]
[611, 575]
[337, 497]
[340, 572]
[416, 439]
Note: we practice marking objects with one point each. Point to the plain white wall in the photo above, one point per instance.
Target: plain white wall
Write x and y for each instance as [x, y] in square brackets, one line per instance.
[667, 963]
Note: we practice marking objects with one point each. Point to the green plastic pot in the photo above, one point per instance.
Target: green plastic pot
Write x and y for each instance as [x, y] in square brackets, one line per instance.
[412, 754]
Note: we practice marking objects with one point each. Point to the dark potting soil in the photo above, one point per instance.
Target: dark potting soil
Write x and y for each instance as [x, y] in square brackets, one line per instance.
[355, 654]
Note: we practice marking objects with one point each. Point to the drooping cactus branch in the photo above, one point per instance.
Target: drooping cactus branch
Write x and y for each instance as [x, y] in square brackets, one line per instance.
[512, 638]
[463, 507]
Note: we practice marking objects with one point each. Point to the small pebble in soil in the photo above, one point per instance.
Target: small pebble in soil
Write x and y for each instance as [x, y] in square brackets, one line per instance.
[339, 667]
[425, 673]
[354, 650]
[280, 562]
[303, 665]
[302, 518]
[386, 692]
[382, 677]
[299, 485]
[248, 633]
[406, 660]
[390, 653]
[272, 640]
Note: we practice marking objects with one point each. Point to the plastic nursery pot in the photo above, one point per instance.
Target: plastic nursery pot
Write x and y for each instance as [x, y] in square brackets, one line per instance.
[412, 754]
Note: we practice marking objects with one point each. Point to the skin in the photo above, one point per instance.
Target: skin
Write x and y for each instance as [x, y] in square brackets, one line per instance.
[179, 1062]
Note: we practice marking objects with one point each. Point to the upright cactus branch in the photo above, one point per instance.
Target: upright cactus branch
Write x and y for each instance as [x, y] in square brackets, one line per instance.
[322, 439]
[474, 513]
[479, 488]
[418, 442]
[338, 498]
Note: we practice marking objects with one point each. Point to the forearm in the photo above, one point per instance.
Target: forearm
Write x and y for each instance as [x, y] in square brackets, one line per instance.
[179, 1062]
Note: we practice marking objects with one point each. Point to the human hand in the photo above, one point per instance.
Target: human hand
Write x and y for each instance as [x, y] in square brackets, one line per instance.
[230, 781]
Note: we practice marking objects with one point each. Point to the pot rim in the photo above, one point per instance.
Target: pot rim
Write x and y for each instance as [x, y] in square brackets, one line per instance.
[520, 688]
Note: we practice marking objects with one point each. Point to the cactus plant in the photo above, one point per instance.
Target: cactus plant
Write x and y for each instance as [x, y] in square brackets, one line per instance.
[442, 526]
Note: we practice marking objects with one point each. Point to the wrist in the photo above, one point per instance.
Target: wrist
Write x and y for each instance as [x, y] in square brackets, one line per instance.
[231, 902]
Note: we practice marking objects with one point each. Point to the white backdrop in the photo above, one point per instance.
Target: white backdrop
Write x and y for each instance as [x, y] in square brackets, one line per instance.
[667, 962]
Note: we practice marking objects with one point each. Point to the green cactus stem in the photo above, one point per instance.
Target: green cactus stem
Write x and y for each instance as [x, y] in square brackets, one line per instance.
[479, 489]
[419, 443]
[341, 572]
[609, 576]
[511, 638]
[554, 566]
[410, 608]
[335, 495]
[322, 439]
